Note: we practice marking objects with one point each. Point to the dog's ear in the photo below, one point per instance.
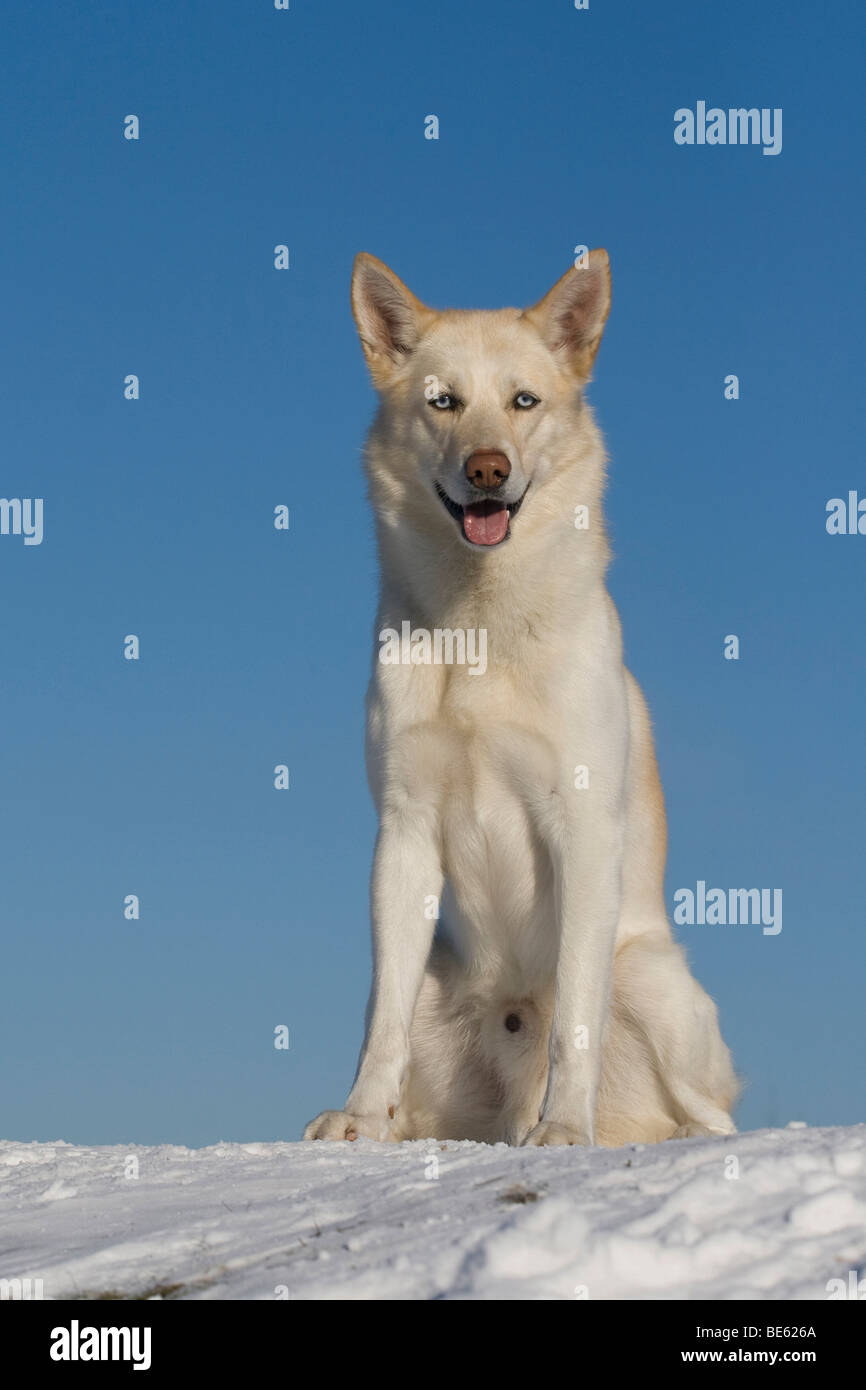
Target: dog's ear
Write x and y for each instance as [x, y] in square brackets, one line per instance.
[571, 317]
[390, 319]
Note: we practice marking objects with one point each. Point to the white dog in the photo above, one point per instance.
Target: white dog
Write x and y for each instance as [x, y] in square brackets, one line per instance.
[526, 985]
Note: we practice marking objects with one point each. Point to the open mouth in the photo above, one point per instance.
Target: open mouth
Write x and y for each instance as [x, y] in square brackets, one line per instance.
[483, 523]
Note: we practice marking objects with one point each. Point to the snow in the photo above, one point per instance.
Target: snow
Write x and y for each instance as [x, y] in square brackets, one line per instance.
[773, 1214]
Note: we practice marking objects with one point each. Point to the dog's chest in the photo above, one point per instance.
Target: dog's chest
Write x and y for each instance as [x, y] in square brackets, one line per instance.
[495, 861]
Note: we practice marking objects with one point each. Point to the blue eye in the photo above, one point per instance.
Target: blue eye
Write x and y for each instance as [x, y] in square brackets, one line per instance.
[443, 402]
[524, 400]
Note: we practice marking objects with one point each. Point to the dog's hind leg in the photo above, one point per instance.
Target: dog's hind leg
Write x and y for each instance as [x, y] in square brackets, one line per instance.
[477, 1066]
[673, 1024]
[666, 1070]
[448, 1092]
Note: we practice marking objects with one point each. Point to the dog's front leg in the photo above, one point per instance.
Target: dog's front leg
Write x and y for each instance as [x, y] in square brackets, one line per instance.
[407, 877]
[588, 868]
[584, 827]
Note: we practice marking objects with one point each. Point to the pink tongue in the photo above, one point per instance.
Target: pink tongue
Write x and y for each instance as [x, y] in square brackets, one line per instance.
[485, 523]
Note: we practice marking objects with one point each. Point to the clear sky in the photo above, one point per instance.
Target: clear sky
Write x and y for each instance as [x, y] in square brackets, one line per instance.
[156, 257]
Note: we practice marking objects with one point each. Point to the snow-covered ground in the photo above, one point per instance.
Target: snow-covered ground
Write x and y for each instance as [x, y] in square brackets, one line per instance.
[772, 1214]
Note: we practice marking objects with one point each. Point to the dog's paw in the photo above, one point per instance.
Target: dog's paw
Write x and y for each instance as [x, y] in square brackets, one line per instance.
[340, 1124]
[693, 1130]
[546, 1132]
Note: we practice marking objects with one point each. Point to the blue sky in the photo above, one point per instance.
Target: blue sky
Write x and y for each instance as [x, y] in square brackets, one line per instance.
[155, 257]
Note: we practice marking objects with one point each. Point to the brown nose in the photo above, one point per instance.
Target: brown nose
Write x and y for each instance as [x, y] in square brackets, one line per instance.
[487, 468]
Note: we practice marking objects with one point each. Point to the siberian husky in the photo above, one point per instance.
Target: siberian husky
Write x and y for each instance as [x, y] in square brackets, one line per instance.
[526, 986]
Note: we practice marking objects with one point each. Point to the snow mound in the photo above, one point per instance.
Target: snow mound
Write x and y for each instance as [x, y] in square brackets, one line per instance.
[773, 1214]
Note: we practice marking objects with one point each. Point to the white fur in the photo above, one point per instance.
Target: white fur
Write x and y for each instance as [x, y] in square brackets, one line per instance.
[551, 896]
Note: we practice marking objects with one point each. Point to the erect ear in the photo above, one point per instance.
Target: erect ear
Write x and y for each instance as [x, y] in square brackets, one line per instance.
[571, 317]
[390, 319]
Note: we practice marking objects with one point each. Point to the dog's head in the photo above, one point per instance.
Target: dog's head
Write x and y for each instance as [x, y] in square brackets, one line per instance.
[478, 407]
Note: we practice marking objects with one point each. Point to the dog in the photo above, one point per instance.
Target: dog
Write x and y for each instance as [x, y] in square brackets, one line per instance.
[526, 985]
